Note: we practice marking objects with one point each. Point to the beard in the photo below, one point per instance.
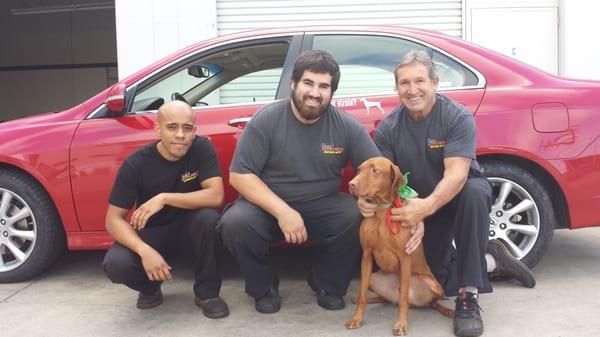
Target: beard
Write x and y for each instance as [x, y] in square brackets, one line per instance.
[310, 113]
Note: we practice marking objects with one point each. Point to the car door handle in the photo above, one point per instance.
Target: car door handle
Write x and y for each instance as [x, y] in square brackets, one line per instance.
[239, 123]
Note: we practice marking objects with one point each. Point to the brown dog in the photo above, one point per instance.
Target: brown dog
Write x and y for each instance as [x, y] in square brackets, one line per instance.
[377, 180]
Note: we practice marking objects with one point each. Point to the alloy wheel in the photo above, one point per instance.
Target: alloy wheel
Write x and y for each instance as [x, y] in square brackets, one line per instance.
[515, 217]
[17, 230]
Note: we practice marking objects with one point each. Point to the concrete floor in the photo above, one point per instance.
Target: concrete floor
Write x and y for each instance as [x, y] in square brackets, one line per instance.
[76, 299]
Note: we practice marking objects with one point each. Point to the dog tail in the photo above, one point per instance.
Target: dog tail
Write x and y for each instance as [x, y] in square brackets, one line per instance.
[435, 305]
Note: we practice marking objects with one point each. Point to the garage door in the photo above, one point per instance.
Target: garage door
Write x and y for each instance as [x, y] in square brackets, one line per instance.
[239, 15]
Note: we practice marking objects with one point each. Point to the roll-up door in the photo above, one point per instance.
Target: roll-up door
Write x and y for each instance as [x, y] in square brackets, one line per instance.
[240, 15]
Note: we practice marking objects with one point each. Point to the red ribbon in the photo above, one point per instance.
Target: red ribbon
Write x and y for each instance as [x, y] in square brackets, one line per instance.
[393, 226]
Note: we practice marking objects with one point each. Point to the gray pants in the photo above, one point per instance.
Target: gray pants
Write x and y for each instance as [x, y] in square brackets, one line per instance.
[248, 231]
[466, 219]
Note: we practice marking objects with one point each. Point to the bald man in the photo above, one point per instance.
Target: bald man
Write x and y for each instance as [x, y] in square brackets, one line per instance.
[176, 184]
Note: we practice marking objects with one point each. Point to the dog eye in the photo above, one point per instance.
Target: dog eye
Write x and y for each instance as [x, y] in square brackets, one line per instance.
[375, 170]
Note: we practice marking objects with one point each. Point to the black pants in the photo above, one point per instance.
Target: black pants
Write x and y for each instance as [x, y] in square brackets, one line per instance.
[122, 265]
[248, 231]
[465, 219]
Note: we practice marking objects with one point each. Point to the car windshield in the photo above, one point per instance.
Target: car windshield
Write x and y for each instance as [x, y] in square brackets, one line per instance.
[217, 78]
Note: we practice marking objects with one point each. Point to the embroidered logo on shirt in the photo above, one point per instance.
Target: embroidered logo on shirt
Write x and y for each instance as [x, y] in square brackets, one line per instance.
[331, 149]
[435, 144]
[187, 177]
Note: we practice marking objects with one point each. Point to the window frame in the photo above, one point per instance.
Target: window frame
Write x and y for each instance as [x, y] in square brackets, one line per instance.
[481, 81]
[294, 41]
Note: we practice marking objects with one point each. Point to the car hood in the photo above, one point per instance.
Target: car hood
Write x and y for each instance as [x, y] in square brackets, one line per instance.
[75, 114]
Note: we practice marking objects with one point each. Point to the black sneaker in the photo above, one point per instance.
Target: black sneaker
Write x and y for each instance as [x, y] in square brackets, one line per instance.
[324, 299]
[149, 301]
[268, 303]
[213, 307]
[507, 266]
[467, 320]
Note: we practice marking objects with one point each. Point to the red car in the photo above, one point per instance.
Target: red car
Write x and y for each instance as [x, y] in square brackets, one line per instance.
[538, 135]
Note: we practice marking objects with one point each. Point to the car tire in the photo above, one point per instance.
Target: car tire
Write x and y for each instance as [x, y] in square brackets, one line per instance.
[522, 217]
[31, 233]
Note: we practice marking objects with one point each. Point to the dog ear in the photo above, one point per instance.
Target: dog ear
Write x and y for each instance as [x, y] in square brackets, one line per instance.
[397, 179]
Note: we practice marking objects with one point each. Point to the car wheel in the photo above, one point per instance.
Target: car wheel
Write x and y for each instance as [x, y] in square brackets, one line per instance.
[31, 234]
[522, 217]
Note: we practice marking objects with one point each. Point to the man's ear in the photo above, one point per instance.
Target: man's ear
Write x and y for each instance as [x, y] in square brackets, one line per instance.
[157, 129]
[397, 179]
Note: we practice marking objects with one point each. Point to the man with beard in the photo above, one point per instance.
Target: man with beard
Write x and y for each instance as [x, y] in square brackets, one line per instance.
[287, 170]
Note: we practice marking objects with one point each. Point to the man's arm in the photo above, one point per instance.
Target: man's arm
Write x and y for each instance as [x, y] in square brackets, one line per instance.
[211, 195]
[155, 266]
[456, 172]
[253, 189]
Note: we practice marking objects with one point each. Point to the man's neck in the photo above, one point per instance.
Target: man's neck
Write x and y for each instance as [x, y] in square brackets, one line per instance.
[162, 151]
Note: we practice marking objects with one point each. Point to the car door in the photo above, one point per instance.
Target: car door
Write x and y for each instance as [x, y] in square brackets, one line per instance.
[225, 85]
[367, 85]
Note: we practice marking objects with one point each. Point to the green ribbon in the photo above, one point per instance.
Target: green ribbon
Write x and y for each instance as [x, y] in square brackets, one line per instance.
[405, 191]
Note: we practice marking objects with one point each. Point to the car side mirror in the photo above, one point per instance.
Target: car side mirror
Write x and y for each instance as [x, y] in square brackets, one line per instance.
[198, 71]
[115, 99]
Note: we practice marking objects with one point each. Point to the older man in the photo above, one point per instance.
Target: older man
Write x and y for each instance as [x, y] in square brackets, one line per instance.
[433, 138]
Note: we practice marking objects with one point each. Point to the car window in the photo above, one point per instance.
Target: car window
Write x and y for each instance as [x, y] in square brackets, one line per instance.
[367, 63]
[260, 86]
[238, 75]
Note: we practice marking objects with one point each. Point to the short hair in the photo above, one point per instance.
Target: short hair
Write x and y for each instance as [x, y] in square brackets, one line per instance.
[317, 61]
[417, 57]
[175, 105]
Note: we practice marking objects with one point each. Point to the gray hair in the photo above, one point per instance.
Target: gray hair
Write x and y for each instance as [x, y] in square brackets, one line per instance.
[417, 57]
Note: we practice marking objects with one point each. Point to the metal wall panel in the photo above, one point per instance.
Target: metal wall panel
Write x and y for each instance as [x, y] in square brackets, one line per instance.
[240, 15]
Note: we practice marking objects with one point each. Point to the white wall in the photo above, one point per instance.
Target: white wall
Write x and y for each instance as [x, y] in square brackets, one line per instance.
[580, 49]
[148, 30]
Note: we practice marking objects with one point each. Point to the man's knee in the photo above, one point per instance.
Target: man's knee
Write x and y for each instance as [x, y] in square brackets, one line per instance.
[347, 217]
[120, 263]
[476, 191]
[234, 227]
[204, 221]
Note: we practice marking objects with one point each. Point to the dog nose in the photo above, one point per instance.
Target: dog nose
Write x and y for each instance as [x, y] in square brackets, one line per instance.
[352, 184]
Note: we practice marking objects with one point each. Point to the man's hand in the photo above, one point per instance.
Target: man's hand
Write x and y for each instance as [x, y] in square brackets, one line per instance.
[292, 226]
[417, 232]
[366, 208]
[140, 216]
[155, 266]
[412, 211]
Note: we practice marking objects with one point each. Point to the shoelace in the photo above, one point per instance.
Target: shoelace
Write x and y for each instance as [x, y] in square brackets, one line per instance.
[467, 304]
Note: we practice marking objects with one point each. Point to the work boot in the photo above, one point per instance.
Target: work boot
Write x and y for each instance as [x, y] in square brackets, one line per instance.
[467, 320]
[507, 266]
[271, 301]
[213, 307]
[324, 299]
[148, 301]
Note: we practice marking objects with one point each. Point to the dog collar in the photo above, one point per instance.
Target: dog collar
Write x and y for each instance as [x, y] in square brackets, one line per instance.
[393, 226]
[404, 191]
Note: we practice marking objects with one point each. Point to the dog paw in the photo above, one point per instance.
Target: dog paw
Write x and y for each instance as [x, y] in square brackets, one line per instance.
[400, 329]
[354, 323]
